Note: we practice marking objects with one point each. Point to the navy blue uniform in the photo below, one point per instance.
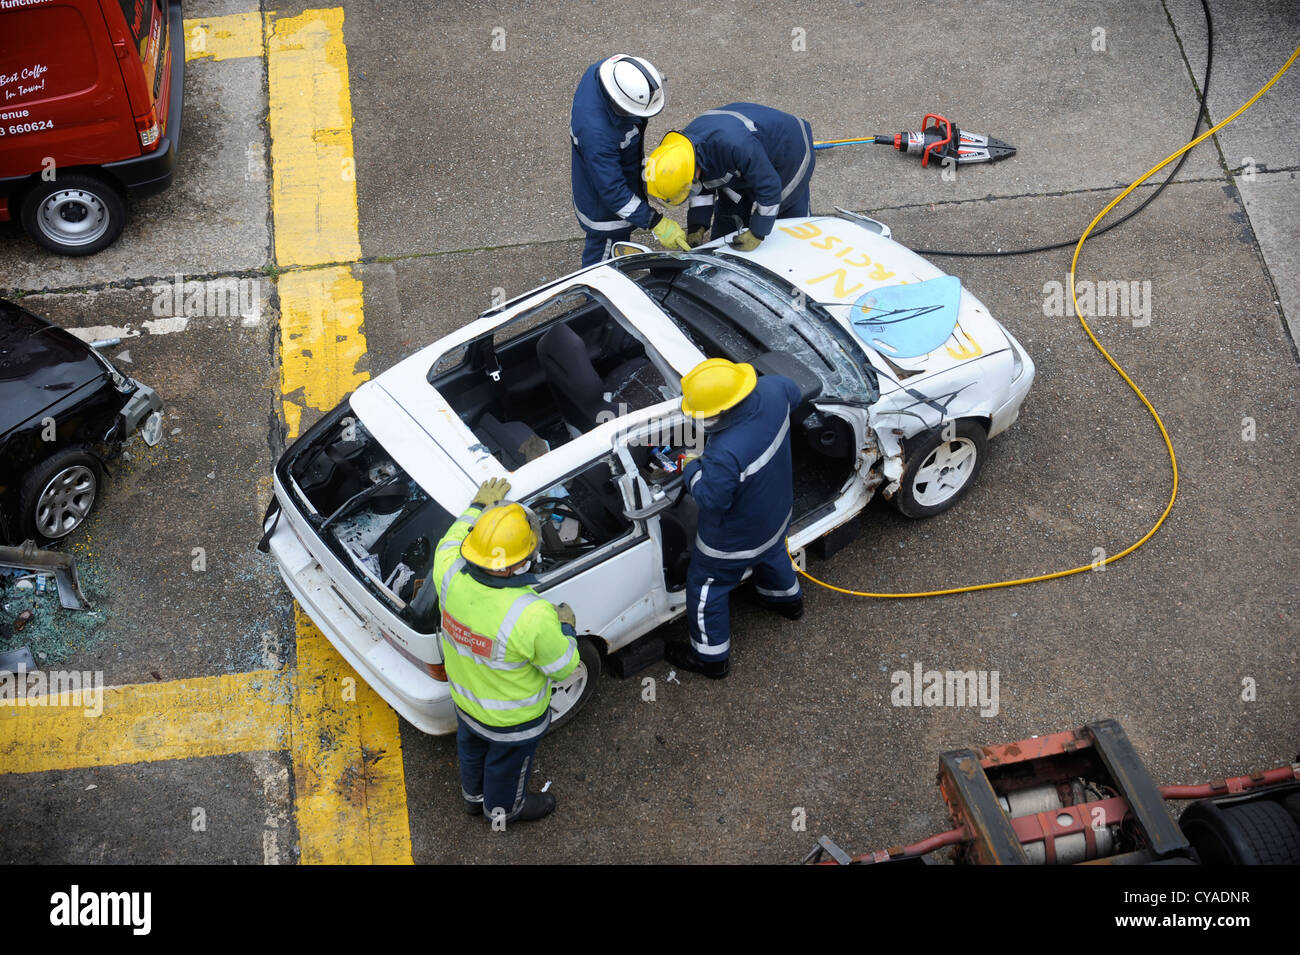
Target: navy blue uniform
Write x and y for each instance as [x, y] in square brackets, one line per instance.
[608, 194]
[496, 761]
[743, 484]
[755, 164]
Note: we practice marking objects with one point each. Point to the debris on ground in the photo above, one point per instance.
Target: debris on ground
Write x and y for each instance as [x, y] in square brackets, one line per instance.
[40, 562]
[16, 661]
[50, 633]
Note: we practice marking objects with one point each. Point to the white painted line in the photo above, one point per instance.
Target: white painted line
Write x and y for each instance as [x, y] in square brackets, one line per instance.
[161, 326]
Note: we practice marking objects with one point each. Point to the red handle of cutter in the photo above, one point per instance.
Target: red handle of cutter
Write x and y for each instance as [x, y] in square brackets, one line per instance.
[939, 144]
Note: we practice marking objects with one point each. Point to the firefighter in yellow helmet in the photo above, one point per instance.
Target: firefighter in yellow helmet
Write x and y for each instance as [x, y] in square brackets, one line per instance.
[743, 485]
[743, 166]
[503, 646]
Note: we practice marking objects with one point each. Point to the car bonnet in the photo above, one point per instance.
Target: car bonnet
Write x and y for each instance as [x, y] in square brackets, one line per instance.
[836, 262]
[40, 363]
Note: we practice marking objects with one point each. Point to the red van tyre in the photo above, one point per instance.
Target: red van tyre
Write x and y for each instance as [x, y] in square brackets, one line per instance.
[77, 214]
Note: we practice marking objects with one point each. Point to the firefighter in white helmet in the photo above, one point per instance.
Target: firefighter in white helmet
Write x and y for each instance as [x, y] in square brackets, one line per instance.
[607, 130]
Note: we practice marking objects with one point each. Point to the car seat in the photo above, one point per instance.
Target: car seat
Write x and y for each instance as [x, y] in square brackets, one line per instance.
[579, 391]
[513, 443]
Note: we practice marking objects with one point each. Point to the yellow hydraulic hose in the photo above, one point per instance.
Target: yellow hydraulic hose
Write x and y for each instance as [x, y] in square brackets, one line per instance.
[1173, 459]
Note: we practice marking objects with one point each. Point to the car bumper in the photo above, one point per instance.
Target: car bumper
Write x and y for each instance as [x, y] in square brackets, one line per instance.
[142, 406]
[423, 701]
[1005, 415]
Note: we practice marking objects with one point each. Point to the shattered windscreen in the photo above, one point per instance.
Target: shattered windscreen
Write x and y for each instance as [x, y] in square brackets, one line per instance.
[783, 319]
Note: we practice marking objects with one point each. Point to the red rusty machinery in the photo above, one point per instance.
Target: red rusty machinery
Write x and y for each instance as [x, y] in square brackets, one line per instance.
[1078, 796]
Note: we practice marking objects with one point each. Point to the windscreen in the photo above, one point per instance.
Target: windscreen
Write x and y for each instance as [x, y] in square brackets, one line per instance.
[730, 312]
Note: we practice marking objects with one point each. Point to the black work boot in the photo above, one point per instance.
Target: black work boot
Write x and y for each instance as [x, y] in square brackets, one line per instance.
[536, 806]
[473, 807]
[790, 609]
[684, 657]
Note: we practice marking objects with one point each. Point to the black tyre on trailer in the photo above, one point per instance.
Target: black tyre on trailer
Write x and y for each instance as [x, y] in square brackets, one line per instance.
[1253, 833]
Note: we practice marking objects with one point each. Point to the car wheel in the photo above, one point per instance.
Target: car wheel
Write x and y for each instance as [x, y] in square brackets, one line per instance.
[58, 494]
[571, 695]
[74, 215]
[938, 471]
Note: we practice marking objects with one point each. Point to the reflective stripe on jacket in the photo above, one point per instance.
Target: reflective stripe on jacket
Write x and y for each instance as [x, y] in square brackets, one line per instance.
[751, 151]
[502, 643]
[743, 482]
[606, 161]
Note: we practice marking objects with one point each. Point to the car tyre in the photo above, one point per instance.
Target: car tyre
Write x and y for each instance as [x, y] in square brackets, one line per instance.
[76, 214]
[937, 472]
[571, 695]
[57, 495]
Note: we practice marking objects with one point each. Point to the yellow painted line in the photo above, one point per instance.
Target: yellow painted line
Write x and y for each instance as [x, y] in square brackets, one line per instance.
[349, 780]
[345, 742]
[350, 786]
[224, 38]
[206, 716]
[313, 187]
[322, 344]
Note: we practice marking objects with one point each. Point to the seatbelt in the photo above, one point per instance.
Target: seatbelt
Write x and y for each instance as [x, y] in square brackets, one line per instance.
[492, 368]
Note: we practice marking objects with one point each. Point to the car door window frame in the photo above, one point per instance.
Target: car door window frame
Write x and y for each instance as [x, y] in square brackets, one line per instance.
[634, 535]
[639, 492]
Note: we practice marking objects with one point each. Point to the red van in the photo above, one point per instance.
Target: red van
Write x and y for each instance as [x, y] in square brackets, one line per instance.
[90, 113]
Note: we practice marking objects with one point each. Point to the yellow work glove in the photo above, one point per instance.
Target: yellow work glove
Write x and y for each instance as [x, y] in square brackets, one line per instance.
[698, 236]
[745, 241]
[566, 615]
[670, 234]
[492, 491]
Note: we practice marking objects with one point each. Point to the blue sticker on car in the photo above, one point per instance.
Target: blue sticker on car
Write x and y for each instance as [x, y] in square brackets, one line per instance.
[904, 321]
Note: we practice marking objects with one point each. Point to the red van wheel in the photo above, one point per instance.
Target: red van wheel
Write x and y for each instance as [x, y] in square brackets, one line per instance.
[74, 215]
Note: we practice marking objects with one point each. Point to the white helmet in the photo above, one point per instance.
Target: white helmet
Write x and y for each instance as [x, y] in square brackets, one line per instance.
[633, 84]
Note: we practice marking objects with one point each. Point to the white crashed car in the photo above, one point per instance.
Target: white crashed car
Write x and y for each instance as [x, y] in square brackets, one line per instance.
[572, 392]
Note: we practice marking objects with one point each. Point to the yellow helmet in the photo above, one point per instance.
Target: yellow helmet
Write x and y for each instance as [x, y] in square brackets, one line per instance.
[714, 385]
[670, 169]
[505, 534]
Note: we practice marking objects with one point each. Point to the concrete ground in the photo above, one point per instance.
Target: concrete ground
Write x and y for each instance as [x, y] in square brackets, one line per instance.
[461, 174]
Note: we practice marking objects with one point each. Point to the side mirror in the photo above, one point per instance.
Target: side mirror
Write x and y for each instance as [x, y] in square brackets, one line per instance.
[621, 249]
[875, 225]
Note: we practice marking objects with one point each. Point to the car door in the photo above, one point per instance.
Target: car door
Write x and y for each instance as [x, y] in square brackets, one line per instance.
[593, 557]
[658, 499]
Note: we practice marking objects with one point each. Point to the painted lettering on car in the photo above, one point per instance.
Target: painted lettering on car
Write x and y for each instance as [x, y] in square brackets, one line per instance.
[849, 255]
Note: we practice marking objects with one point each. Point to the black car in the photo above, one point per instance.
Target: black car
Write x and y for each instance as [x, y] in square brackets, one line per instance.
[64, 411]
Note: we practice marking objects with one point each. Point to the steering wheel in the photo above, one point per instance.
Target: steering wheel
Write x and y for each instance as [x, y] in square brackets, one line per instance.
[565, 507]
[552, 558]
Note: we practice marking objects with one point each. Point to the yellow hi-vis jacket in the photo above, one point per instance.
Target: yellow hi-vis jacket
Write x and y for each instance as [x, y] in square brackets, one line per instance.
[502, 645]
